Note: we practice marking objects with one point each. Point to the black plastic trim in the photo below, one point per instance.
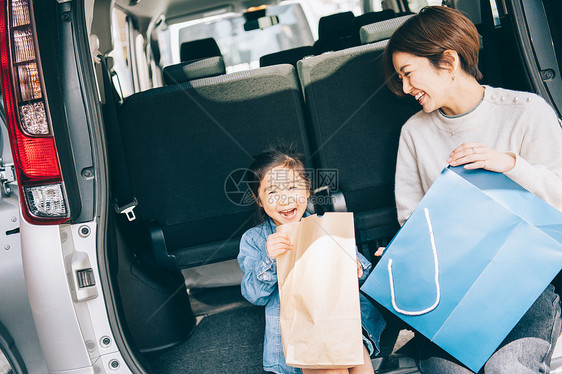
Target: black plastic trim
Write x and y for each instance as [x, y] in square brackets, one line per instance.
[8, 347]
[537, 49]
[49, 62]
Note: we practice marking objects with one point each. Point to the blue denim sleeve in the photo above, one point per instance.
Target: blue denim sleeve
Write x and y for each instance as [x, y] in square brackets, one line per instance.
[260, 271]
[365, 264]
[372, 320]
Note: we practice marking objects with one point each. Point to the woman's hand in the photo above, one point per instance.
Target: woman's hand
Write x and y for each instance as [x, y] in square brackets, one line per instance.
[359, 268]
[277, 244]
[480, 156]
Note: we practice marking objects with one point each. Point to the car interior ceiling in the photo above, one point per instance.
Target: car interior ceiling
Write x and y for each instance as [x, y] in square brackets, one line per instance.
[192, 133]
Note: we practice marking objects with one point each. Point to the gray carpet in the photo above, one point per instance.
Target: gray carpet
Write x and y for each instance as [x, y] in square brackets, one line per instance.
[228, 338]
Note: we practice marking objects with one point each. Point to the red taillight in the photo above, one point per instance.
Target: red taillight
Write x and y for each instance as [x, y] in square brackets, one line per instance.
[38, 158]
[33, 145]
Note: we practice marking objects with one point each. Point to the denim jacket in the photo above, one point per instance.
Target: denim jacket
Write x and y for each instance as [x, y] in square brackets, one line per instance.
[259, 286]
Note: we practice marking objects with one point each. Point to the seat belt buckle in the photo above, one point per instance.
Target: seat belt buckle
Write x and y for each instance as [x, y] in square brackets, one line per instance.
[128, 209]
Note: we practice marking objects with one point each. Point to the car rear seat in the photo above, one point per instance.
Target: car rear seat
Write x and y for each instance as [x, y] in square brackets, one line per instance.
[181, 143]
[355, 124]
[383, 30]
[194, 69]
[369, 18]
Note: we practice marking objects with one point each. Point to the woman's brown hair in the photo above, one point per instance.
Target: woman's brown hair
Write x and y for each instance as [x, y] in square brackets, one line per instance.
[429, 33]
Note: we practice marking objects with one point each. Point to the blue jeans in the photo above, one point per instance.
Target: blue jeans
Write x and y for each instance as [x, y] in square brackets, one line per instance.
[527, 349]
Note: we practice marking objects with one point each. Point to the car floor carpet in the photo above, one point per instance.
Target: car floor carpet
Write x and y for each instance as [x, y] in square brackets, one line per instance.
[228, 337]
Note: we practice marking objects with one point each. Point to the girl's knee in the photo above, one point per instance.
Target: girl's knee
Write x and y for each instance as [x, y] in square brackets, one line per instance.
[366, 368]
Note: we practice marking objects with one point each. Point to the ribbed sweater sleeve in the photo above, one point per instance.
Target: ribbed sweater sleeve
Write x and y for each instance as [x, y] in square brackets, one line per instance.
[538, 166]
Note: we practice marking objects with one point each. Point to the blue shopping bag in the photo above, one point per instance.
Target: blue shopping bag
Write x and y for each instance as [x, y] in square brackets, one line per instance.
[469, 262]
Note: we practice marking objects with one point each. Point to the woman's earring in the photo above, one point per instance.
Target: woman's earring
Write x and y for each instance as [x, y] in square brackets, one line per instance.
[453, 76]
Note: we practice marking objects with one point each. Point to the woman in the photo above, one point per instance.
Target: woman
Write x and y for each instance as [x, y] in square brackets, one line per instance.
[434, 57]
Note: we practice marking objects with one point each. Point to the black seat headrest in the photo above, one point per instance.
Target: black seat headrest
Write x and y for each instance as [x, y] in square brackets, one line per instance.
[372, 17]
[288, 56]
[335, 32]
[190, 70]
[197, 49]
[335, 25]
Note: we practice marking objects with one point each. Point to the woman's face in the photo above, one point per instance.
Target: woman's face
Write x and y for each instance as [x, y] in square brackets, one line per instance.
[429, 86]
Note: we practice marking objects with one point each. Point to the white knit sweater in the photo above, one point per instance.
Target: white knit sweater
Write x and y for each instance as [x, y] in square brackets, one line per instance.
[508, 121]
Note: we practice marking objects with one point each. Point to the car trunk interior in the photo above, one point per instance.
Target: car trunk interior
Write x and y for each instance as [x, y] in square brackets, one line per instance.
[228, 336]
[208, 327]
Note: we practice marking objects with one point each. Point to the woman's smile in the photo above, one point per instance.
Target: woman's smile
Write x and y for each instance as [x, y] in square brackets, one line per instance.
[419, 97]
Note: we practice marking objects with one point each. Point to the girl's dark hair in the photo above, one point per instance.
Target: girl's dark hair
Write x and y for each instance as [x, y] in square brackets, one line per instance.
[429, 33]
[278, 155]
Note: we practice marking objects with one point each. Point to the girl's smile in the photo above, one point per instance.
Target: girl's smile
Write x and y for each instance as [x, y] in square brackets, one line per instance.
[283, 194]
[289, 214]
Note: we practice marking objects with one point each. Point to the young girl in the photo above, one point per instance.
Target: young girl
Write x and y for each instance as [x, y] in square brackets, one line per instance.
[281, 191]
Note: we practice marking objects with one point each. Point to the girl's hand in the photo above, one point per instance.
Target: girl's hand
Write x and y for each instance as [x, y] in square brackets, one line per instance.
[277, 244]
[359, 268]
[380, 251]
[480, 156]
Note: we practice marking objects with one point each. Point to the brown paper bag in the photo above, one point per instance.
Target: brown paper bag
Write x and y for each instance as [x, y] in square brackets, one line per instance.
[319, 292]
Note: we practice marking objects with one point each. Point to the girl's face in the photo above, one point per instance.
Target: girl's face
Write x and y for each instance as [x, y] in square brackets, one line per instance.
[430, 86]
[283, 194]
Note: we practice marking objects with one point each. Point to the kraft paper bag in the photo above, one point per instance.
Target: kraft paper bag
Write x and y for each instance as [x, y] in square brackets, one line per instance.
[319, 293]
[469, 262]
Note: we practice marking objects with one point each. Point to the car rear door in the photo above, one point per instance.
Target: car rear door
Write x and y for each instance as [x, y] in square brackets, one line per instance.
[529, 41]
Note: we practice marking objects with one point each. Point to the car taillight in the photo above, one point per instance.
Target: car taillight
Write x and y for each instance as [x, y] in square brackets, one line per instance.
[42, 190]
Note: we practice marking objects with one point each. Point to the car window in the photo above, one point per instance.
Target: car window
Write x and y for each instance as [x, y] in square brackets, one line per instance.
[315, 10]
[298, 26]
[122, 62]
[242, 49]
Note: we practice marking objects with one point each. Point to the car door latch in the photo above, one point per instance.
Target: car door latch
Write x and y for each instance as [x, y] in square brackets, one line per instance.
[7, 176]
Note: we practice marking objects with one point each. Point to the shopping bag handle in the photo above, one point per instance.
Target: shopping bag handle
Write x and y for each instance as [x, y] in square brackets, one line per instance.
[436, 262]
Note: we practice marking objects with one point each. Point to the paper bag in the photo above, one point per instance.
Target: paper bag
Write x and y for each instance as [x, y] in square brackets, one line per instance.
[469, 262]
[319, 293]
